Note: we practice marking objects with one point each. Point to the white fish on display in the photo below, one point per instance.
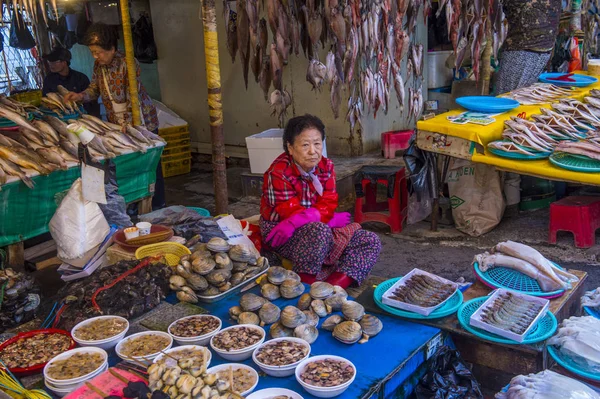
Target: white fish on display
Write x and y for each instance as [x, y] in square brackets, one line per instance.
[591, 298]
[547, 385]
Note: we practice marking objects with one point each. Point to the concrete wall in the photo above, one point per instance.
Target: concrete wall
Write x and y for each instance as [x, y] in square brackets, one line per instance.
[179, 36]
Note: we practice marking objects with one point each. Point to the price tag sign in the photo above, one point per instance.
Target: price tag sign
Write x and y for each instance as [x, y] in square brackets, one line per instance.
[92, 180]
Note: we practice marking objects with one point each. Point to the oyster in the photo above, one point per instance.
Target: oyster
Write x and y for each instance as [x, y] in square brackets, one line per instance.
[203, 266]
[291, 289]
[197, 282]
[332, 321]
[318, 306]
[234, 312]
[292, 317]
[270, 291]
[186, 294]
[251, 302]
[304, 302]
[176, 282]
[237, 278]
[248, 318]
[217, 244]
[347, 332]
[336, 301]
[269, 313]
[321, 290]
[278, 330]
[306, 332]
[353, 311]
[311, 317]
[223, 261]
[371, 326]
[277, 275]
[242, 253]
[218, 277]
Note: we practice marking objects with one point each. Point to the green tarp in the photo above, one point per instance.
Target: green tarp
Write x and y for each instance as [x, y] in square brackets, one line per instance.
[25, 213]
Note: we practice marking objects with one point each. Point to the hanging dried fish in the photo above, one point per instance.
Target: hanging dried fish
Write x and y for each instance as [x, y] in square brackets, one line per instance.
[336, 97]
[243, 37]
[276, 68]
[316, 73]
[265, 77]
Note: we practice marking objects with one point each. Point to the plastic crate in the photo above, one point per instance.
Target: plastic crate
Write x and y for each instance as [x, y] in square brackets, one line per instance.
[173, 129]
[182, 149]
[176, 137]
[176, 157]
[178, 142]
[175, 168]
[33, 97]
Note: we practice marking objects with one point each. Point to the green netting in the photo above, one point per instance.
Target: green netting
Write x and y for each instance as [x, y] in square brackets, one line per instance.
[25, 213]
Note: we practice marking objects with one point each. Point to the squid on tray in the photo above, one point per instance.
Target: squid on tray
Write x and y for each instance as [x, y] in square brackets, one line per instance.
[578, 339]
[547, 385]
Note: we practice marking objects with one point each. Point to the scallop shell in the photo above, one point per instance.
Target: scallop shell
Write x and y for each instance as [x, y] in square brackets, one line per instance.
[242, 253]
[291, 289]
[347, 332]
[371, 325]
[332, 321]
[203, 266]
[311, 317]
[292, 275]
[210, 291]
[251, 302]
[277, 275]
[270, 291]
[269, 313]
[176, 282]
[237, 278]
[248, 318]
[235, 312]
[278, 330]
[335, 301]
[197, 282]
[304, 302]
[306, 332]
[321, 290]
[218, 277]
[353, 311]
[223, 261]
[217, 244]
[318, 306]
[292, 317]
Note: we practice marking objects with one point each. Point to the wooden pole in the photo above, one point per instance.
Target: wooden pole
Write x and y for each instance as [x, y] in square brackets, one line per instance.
[215, 107]
[486, 58]
[131, 66]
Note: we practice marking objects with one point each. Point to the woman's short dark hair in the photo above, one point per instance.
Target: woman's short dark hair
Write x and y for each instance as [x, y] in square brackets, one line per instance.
[102, 35]
[297, 125]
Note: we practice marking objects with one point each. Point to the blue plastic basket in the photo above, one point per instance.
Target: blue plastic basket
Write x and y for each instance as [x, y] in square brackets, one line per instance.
[571, 365]
[503, 277]
[543, 330]
[446, 309]
[200, 211]
[592, 311]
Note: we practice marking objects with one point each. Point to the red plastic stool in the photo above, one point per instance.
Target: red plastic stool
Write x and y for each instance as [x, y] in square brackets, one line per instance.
[395, 141]
[579, 215]
[391, 212]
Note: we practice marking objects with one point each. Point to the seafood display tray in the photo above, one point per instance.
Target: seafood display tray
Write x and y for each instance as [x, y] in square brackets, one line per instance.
[579, 80]
[476, 321]
[575, 163]
[232, 291]
[387, 300]
[487, 104]
[570, 365]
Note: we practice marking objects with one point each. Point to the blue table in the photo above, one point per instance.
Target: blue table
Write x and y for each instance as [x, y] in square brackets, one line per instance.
[388, 366]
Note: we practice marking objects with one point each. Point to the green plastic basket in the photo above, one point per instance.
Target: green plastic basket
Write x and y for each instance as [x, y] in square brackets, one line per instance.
[570, 365]
[200, 211]
[446, 309]
[543, 330]
[575, 163]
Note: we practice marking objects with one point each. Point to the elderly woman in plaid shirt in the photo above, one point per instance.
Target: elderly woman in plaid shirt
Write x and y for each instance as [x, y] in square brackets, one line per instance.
[298, 218]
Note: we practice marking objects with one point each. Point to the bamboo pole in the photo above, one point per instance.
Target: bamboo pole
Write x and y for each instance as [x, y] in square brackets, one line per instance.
[215, 107]
[130, 60]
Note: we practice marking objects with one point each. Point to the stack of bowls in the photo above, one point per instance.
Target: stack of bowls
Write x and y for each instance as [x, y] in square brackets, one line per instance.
[106, 343]
[238, 355]
[64, 387]
[201, 340]
[236, 366]
[281, 371]
[324, 392]
[146, 359]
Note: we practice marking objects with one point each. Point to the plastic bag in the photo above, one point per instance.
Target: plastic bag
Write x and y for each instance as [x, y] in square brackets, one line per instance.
[20, 36]
[418, 210]
[448, 377]
[185, 222]
[422, 169]
[143, 40]
[115, 210]
[77, 225]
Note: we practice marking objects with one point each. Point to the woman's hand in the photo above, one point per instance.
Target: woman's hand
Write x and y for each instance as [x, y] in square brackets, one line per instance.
[72, 96]
[340, 220]
[281, 233]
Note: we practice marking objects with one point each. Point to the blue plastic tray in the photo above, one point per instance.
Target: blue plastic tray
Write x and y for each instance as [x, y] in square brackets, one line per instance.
[575, 163]
[200, 211]
[447, 309]
[570, 365]
[580, 80]
[515, 155]
[544, 329]
[487, 104]
[592, 312]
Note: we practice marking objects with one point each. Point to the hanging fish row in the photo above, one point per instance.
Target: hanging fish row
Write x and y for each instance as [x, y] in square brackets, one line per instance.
[35, 9]
[367, 40]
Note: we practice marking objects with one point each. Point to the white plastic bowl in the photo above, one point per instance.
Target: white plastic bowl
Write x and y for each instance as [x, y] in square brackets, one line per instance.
[280, 371]
[236, 366]
[240, 354]
[68, 354]
[64, 390]
[272, 392]
[182, 348]
[107, 343]
[201, 340]
[147, 360]
[60, 392]
[324, 392]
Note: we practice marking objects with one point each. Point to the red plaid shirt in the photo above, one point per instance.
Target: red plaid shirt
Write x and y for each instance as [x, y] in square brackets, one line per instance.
[286, 192]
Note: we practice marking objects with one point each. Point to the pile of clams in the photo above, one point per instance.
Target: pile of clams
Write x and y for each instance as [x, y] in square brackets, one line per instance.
[214, 268]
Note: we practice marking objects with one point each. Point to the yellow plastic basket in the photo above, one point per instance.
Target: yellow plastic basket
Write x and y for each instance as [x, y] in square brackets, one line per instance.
[170, 251]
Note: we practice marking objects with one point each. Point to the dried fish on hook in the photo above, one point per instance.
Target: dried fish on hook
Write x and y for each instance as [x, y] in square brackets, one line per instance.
[316, 73]
[280, 101]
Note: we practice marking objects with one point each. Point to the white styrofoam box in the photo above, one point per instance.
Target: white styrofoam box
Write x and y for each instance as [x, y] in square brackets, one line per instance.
[166, 116]
[476, 320]
[438, 75]
[410, 307]
[265, 147]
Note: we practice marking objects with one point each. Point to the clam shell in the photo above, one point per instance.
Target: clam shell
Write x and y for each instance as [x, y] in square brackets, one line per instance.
[321, 290]
[240, 266]
[217, 244]
[251, 272]
[187, 295]
[278, 330]
[251, 302]
[218, 277]
[182, 271]
[353, 311]
[210, 291]
[292, 317]
[332, 321]
[237, 278]
[304, 302]
[225, 287]
[197, 282]
[336, 301]
[311, 317]
[223, 261]
[176, 282]
[242, 253]
[203, 266]
[235, 312]
[291, 289]
[318, 306]
[371, 325]
[270, 291]
[277, 275]
[347, 332]
[248, 318]
[292, 275]
[337, 290]
[306, 332]
[269, 313]
[199, 254]
[262, 263]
